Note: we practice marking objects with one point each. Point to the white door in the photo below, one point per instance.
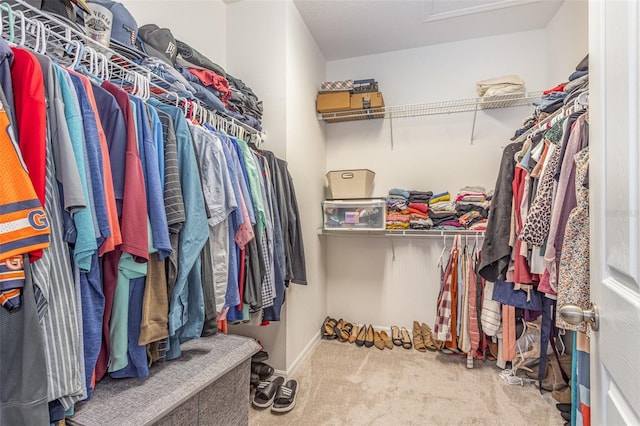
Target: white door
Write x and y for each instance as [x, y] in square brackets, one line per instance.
[614, 45]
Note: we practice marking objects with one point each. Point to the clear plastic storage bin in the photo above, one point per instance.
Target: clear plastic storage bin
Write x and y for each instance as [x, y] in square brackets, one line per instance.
[366, 215]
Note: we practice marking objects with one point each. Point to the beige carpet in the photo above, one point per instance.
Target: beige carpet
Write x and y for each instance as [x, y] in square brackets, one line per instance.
[342, 384]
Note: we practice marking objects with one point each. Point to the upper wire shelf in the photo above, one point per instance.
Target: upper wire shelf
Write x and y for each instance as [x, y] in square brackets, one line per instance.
[47, 34]
[435, 108]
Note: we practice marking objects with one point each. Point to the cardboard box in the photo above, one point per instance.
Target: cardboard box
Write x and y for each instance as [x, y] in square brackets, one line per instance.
[366, 100]
[349, 184]
[333, 101]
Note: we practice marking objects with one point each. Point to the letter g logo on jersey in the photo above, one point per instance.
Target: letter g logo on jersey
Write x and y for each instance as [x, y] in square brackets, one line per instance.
[38, 220]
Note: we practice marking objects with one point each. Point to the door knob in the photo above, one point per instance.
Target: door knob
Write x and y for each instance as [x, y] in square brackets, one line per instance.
[574, 314]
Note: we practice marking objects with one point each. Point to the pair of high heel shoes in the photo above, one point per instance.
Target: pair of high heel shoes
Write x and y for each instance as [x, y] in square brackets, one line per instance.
[400, 337]
[368, 337]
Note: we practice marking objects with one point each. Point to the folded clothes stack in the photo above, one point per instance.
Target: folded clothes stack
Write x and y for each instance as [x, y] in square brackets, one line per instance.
[420, 196]
[442, 211]
[408, 209]
[472, 207]
[398, 216]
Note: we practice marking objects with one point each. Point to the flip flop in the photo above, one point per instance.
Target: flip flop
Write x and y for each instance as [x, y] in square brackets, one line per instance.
[285, 398]
[261, 369]
[266, 392]
[260, 356]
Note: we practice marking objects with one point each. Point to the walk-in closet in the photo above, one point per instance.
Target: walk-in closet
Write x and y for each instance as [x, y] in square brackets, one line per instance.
[267, 212]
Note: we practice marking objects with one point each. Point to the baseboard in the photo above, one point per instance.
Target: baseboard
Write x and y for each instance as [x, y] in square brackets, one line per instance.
[306, 352]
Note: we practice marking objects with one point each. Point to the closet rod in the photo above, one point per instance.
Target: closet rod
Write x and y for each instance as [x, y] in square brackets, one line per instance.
[61, 39]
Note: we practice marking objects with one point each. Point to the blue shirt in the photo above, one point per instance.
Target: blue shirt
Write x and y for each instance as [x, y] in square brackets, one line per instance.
[154, 189]
[156, 129]
[85, 239]
[94, 155]
[186, 304]
[115, 131]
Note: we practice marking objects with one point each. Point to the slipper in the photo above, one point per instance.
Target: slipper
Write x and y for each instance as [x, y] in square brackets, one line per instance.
[261, 369]
[266, 392]
[260, 356]
[254, 380]
[285, 398]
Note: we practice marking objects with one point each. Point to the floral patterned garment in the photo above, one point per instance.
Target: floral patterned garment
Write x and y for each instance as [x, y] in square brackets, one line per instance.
[573, 281]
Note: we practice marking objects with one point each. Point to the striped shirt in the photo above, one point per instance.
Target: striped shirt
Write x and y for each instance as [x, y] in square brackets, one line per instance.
[53, 277]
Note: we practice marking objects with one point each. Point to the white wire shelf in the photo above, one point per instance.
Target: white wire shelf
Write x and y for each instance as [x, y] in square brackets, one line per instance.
[421, 233]
[61, 42]
[435, 108]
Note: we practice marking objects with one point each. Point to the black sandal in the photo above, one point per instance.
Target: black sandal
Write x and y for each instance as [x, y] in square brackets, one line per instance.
[266, 392]
[264, 371]
[260, 356]
[285, 398]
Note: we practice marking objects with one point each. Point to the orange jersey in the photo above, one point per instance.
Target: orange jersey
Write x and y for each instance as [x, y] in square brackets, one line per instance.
[24, 226]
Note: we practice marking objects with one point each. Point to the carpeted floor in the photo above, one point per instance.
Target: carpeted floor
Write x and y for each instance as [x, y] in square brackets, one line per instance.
[342, 384]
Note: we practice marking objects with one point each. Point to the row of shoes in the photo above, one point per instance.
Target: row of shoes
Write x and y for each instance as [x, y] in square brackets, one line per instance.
[362, 335]
[366, 335]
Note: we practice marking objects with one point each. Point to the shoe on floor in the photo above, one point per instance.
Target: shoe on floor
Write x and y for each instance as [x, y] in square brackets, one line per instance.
[406, 339]
[368, 341]
[377, 340]
[362, 336]
[396, 338]
[264, 371]
[427, 337]
[329, 328]
[418, 343]
[385, 338]
[266, 392]
[354, 333]
[285, 398]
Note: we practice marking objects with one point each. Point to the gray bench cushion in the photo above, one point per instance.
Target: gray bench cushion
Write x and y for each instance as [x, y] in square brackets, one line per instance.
[136, 402]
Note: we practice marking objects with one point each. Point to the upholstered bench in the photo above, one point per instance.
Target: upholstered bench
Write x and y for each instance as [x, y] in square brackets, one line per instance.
[207, 385]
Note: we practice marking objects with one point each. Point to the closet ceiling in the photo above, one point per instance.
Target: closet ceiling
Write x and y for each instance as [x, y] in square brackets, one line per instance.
[350, 28]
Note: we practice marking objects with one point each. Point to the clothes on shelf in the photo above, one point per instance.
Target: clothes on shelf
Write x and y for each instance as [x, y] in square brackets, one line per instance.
[426, 210]
[144, 230]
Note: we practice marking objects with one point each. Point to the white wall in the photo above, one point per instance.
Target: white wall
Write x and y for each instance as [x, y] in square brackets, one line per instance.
[387, 281]
[306, 305]
[567, 40]
[199, 23]
[256, 53]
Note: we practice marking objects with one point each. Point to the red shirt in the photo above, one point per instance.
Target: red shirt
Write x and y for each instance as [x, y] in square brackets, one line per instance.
[133, 225]
[31, 120]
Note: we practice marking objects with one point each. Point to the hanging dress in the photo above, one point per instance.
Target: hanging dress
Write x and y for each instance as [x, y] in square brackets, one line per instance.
[573, 281]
